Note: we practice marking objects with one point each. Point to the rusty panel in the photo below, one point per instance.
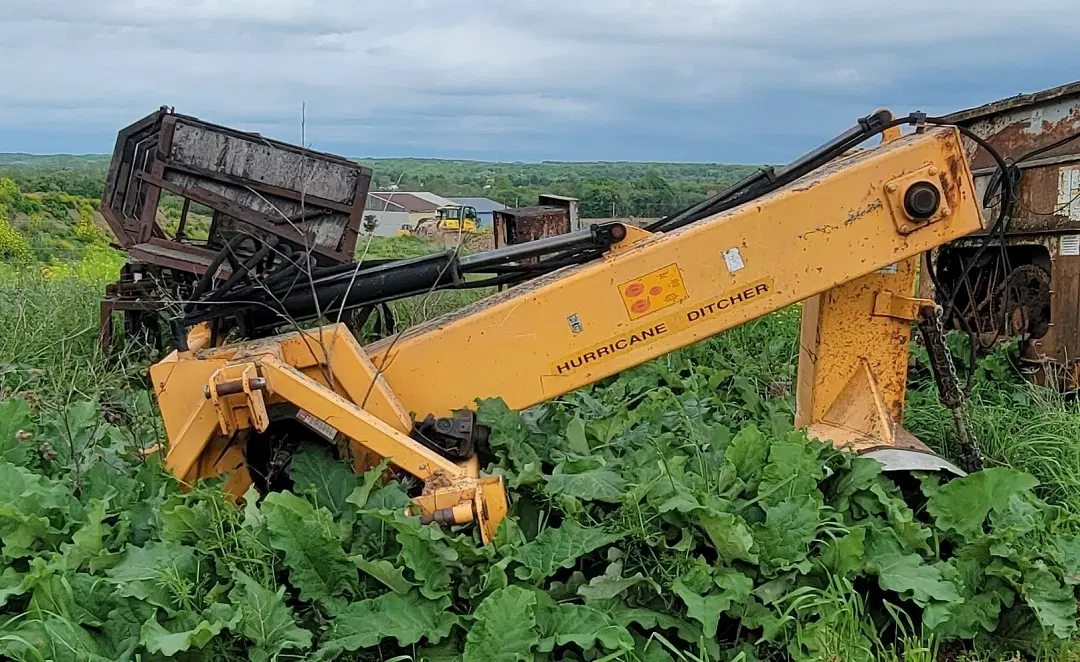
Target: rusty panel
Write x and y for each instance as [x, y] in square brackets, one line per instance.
[517, 226]
[208, 148]
[285, 187]
[1050, 182]
[1048, 210]
[1063, 341]
[120, 200]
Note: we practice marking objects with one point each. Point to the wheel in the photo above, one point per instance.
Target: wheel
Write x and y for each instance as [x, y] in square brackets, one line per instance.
[1021, 304]
[269, 455]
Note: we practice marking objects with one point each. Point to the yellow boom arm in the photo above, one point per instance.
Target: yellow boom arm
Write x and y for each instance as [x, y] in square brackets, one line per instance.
[844, 240]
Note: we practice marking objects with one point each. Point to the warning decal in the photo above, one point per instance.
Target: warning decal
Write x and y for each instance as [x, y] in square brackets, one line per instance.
[659, 330]
[653, 291]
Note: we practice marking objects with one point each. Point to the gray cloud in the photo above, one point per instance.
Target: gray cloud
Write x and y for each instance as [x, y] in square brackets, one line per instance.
[518, 79]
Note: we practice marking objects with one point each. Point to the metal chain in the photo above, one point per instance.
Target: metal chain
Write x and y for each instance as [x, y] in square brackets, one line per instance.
[970, 457]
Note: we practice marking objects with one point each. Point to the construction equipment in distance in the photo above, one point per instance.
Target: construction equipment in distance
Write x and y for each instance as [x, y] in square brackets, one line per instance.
[453, 218]
[448, 219]
[838, 230]
[264, 198]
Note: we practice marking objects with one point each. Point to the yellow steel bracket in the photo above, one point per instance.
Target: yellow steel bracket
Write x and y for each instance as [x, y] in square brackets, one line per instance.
[328, 377]
[634, 236]
[853, 363]
[888, 304]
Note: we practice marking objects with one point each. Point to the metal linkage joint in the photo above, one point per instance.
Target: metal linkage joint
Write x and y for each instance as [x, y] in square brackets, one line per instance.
[456, 438]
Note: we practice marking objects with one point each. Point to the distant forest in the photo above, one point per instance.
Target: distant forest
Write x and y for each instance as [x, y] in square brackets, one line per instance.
[605, 188]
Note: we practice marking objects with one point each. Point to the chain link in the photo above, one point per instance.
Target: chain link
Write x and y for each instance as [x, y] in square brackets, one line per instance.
[949, 391]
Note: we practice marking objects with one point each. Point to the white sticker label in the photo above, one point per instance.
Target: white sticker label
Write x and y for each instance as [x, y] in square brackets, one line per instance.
[575, 323]
[891, 269]
[1068, 202]
[316, 424]
[733, 260]
[1069, 244]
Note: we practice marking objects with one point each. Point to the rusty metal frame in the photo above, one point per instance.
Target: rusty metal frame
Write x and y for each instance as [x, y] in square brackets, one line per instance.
[139, 173]
[1014, 127]
[524, 224]
[144, 165]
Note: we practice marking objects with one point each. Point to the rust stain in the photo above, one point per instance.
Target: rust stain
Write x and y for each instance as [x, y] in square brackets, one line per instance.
[1015, 131]
[822, 229]
[524, 224]
[950, 179]
[1022, 135]
[856, 214]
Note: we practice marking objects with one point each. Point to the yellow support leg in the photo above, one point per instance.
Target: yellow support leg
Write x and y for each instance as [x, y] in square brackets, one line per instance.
[853, 363]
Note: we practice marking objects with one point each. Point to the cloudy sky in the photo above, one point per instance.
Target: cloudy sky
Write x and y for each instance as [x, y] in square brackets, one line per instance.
[673, 80]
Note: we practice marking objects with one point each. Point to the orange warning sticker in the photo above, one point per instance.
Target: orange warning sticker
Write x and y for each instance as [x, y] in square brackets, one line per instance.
[653, 291]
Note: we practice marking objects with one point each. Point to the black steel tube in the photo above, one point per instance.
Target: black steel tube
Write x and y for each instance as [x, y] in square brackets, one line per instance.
[479, 261]
[688, 215]
[378, 283]
[208, 276]
[868, 126]
[770, 178]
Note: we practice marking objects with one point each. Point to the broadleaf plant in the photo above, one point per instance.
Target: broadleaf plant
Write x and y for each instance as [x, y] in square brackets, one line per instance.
[668, 513]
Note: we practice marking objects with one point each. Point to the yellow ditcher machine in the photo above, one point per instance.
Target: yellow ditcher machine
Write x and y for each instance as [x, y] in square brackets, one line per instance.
[840, 229]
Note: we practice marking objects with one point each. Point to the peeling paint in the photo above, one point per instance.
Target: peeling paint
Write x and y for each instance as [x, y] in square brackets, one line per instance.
[855, 215]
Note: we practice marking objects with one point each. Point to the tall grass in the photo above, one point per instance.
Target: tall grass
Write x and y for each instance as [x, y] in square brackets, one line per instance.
[1018, 425]
[49, 330]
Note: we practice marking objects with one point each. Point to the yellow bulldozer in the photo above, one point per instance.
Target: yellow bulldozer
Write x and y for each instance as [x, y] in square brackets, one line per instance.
[457, 217]
[451, 218]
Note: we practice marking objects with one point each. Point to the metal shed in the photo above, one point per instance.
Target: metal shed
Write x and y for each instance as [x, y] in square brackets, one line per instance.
[522, 224]
[1028, 285]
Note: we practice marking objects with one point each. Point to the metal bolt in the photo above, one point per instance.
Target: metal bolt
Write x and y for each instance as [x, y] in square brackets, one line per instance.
[934, 171]
[945, 211]
[890, 187]
[237, 386]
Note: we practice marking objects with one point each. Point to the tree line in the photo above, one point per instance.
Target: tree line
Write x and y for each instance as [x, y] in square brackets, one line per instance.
[605, 189]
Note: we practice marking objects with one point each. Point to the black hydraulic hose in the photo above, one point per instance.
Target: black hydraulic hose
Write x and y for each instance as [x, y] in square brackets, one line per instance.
[770, 179]
[245, 268]
[289, 270]
[1000, 223]
[1048, 148]
[208, 276]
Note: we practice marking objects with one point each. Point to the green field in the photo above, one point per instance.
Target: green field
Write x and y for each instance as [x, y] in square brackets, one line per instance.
[671, 513]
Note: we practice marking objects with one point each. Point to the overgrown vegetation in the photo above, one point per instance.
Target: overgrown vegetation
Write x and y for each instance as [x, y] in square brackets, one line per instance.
[670, 513]
[53, 229]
